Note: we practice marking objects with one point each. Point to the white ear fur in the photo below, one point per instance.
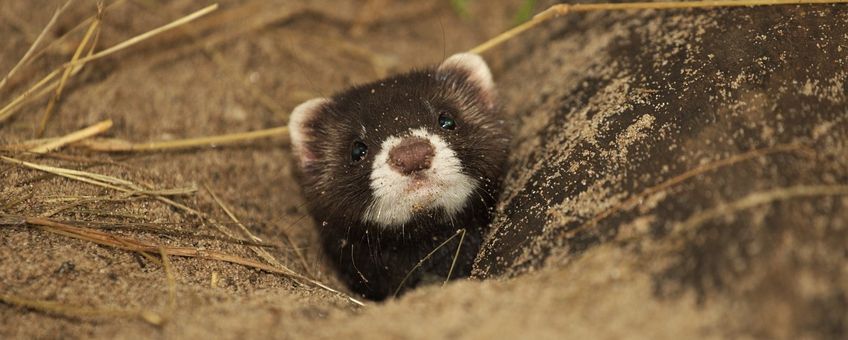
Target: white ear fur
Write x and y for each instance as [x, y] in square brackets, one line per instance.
[298, 132]
[474, 65]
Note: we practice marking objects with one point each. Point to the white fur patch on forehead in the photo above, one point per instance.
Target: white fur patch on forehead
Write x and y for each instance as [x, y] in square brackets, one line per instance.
[298, 132]
[475, 66]
[398, 198]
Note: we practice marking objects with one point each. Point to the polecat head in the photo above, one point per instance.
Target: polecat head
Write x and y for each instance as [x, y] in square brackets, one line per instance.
[414, 147]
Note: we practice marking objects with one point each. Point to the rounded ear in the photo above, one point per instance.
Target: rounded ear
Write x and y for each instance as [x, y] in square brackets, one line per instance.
[301, 132]
[474, 66]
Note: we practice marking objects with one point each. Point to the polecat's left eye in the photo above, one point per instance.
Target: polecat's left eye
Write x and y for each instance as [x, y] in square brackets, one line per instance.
[358, 151]
[447, 122]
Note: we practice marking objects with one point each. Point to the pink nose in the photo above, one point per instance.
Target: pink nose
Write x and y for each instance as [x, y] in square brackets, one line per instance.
[412, 155]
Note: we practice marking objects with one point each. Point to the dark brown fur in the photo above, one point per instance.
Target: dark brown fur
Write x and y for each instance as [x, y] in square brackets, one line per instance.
[373, 260]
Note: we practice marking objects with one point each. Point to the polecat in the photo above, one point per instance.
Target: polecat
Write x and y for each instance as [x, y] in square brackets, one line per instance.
[393, 168]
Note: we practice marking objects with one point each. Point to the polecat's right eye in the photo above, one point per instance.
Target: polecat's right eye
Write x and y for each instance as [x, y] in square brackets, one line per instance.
[358, 151]
[447, 122]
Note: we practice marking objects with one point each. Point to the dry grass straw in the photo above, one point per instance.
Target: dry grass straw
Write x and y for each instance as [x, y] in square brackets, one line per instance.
[709, 167]
[760, 198]
[559, 10]
[115, 145]
[131, 188]
[85, 163]
[54, 144]
[429, 255]
[16, 199]
[74, 198]
[111, 213]
[77, 201]
[105, 181]
[64, 36]
[259, 251]
[93, 30]
[455, 257]
[160, 229]
[686, 230]
[143, 248]
[149, 34]
[171, 277]
[231, 215]
[74, 311]
[297, 252]
[213, 280]
[29, 53]
[43, 87]
[128, 188]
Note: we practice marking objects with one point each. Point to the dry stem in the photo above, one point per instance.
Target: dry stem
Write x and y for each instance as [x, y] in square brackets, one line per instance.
[100, 180]
[143, 247]
[169, 274]
[455, 257]
[72, 31]
[51, 105]
[79, 312]
[147, 35]
[35, 43]
[760, 198]
[425, 258]
[231, 215]
[129, 187]
[113, 145]
[73, 137]
[259, 251]
[665, 185]
[9, 109]
[563, 9]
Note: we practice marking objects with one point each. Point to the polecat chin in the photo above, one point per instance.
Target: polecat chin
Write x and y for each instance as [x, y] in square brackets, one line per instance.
[393, 168]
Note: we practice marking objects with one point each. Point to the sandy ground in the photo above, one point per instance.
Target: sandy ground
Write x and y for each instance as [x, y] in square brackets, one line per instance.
[547, 274]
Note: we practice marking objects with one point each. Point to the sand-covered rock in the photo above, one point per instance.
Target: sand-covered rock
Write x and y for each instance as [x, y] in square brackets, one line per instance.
[707, 148]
